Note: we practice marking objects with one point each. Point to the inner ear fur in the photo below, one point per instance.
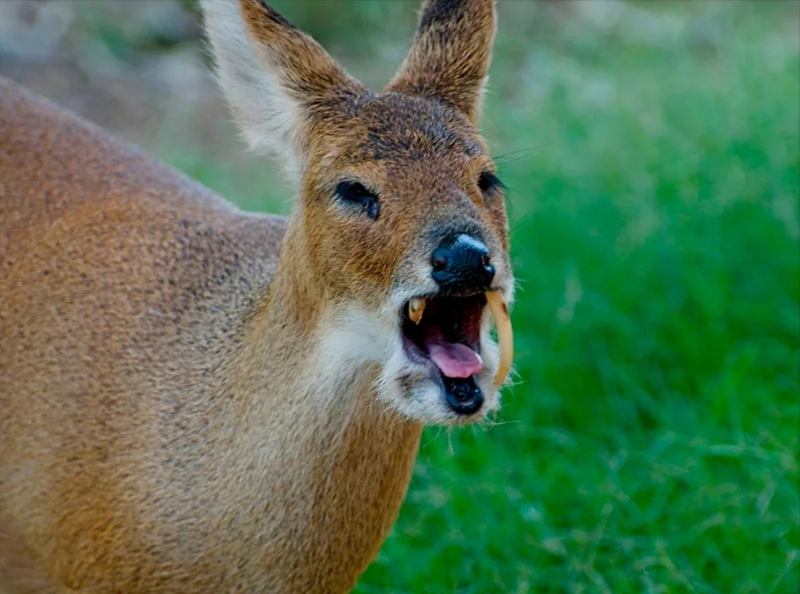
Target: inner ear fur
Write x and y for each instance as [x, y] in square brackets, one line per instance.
[273, 76]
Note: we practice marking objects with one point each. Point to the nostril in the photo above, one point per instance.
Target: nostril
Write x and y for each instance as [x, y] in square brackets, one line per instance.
[439, 259]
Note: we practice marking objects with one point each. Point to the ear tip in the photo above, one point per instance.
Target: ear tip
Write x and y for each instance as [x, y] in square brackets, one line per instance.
[259, 12]
[437, 11]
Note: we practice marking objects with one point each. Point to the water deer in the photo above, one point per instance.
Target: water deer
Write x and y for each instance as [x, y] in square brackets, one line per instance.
[200, 400]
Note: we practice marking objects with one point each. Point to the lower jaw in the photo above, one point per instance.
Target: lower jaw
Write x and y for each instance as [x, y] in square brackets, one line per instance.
[463, 395]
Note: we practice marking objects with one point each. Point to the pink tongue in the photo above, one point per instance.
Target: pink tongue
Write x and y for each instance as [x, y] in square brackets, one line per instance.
[453, 359]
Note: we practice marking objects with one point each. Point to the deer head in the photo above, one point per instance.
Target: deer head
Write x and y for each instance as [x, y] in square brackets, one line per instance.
[400, 228]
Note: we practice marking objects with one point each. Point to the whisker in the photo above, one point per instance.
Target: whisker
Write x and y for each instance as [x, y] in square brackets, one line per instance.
[522, 151]
[517, 224]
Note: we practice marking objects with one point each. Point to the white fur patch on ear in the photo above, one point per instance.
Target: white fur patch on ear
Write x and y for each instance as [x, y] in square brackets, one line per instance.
[270, 118]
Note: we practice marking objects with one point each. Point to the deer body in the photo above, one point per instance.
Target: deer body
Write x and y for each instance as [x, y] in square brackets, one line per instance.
[197, 399]
[185, 467]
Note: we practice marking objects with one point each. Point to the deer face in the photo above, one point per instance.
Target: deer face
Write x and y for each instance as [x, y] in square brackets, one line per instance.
[401, 213]
[402, 204]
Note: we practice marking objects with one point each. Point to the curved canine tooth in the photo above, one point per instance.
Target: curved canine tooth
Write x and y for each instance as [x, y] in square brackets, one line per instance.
[415, 308]
[505, 336]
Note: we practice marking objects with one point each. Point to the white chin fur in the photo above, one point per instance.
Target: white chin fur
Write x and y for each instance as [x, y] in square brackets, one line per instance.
[354, 338]
[406, 386]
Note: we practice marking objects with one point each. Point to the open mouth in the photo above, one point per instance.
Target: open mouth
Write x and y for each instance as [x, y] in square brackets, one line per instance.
[444, 332]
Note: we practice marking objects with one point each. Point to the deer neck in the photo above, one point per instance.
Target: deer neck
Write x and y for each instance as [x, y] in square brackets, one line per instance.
[335, 460]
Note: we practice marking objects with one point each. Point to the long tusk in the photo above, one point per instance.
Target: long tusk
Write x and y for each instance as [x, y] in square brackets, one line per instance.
[415, 308]
[505, 335]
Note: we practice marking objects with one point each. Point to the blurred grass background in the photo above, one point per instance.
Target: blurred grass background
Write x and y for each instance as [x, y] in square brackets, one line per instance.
[652, 155]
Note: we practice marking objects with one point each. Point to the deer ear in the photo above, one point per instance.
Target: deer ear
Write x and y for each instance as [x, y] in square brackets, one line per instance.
[275, 77]
[450, 54]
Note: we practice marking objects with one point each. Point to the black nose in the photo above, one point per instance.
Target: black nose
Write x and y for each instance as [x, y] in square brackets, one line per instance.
[461, 265]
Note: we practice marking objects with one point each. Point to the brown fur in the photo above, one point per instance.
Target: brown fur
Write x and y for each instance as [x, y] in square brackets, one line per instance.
[173, 418]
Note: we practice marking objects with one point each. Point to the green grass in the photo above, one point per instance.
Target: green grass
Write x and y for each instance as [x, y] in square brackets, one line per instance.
[651, 443]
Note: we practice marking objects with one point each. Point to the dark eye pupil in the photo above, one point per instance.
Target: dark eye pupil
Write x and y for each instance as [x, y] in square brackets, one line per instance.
[357, 194]
[352, 191]
[488, 181]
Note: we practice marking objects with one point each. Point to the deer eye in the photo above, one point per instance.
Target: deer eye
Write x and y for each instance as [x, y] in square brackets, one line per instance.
[488, 182]
[357, 195]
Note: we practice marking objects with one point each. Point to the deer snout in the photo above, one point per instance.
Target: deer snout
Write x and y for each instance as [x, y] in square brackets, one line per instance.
[461, 264]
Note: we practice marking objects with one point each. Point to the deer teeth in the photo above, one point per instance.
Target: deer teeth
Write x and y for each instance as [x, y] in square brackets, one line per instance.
[505, 336]
[415, 308]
